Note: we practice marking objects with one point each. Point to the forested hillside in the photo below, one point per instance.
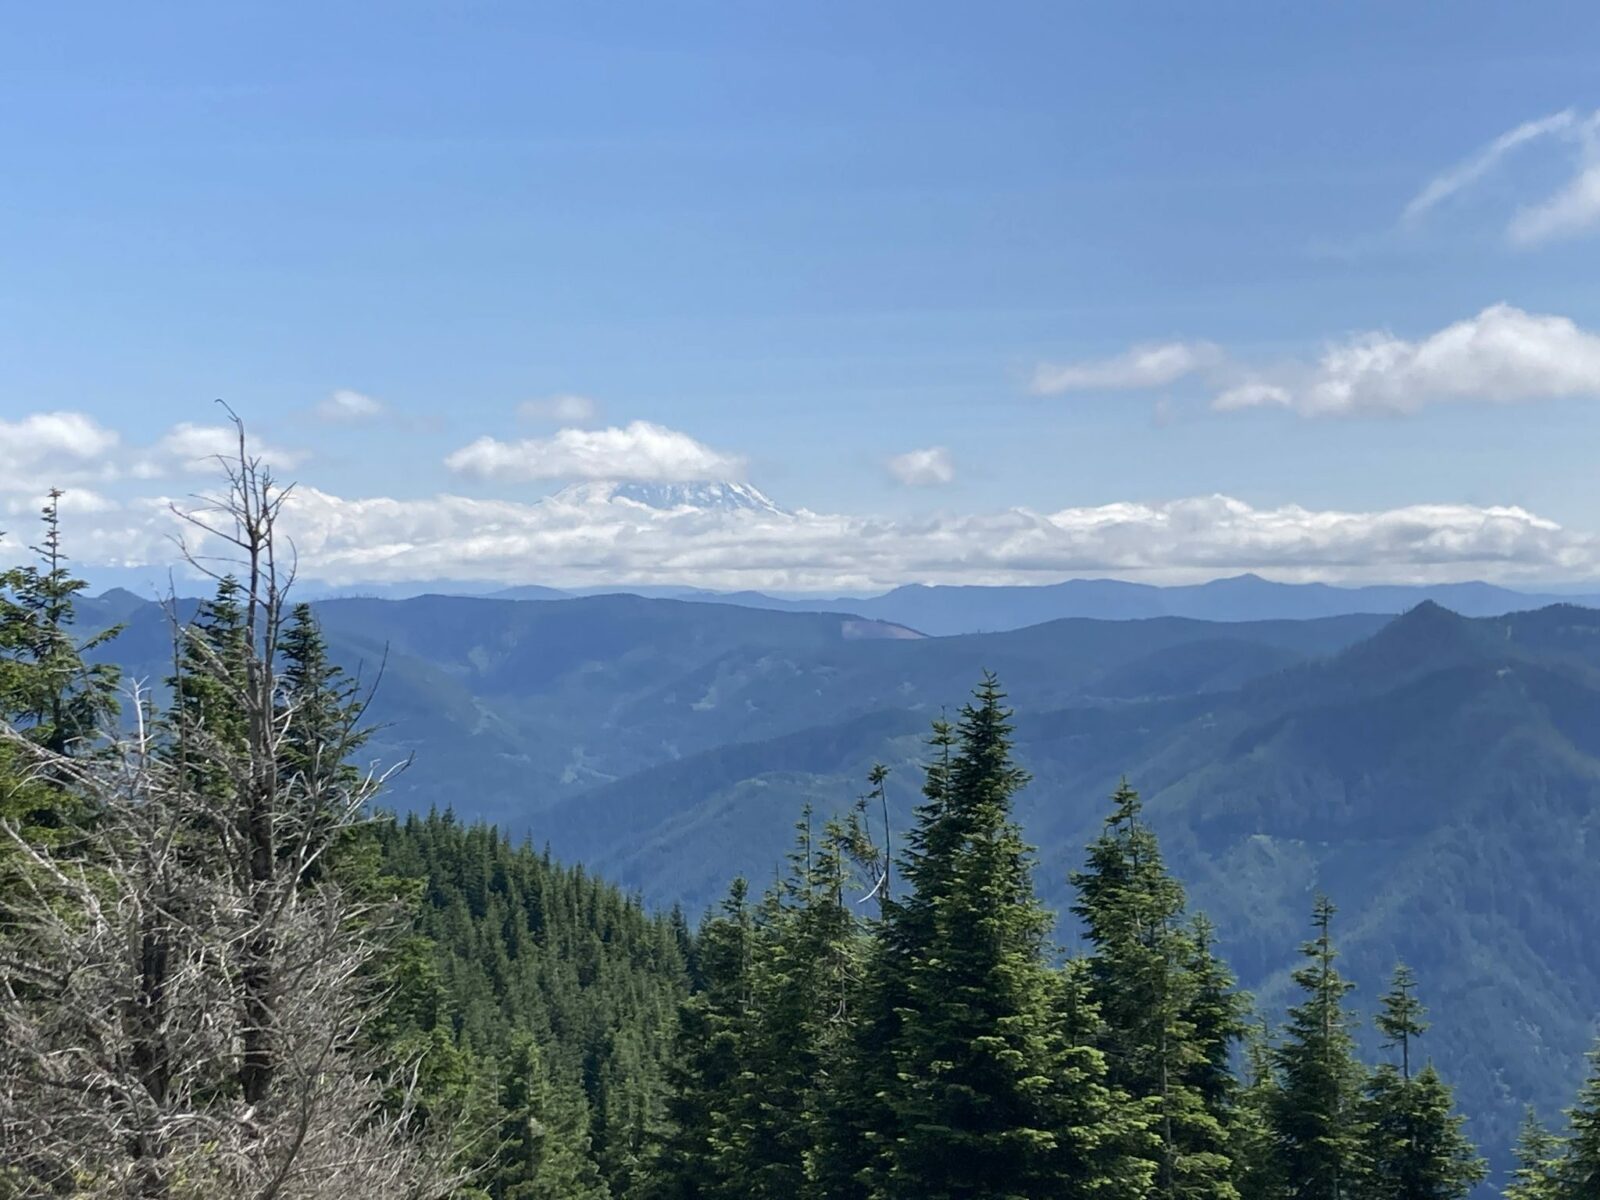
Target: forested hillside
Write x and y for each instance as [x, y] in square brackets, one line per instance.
[892, 1015]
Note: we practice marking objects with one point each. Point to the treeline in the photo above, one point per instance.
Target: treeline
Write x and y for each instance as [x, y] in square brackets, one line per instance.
[540, 1003]
[940, 1047]
[225, 974]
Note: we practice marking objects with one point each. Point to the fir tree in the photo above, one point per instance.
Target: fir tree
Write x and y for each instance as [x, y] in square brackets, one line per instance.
[1580, 1162]
[804, 979]
[208, 709]
[1539, 1153]
[1171, 1016]
[49, 690]
[1415, 1146]
[988, 1090]
[1316, 1116]
[1257, 1170]
[48, 687]
[544, 1151]
[711, 1038]
[321, 707]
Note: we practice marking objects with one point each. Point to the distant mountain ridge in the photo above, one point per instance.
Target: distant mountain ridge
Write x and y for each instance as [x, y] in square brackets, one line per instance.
[1438, 775]
[949, 609]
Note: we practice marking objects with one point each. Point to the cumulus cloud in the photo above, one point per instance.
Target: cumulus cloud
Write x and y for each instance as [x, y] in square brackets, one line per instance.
[640, 451]
[929, 467]
[1573, 209]
[44, 449]
[346, 407]
[1151, 365]
[70, 501]
[1501, 356]
[379, 539]
[564, 409]
[190, 448]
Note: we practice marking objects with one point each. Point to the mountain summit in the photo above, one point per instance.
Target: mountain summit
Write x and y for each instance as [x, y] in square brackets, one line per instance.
[670, 497]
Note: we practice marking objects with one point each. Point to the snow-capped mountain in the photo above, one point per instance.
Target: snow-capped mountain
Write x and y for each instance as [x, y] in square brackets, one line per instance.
[670, 497]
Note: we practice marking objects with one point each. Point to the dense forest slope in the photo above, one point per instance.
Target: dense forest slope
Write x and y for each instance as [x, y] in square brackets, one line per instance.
[1439, 776]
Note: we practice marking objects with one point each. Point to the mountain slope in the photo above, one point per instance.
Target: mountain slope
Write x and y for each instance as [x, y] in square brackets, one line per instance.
[1441, 780]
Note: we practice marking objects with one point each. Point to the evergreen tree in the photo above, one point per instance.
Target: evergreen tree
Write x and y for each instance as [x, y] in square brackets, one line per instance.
[319, 712]
[1538, 1152]
[49, 690]
[1171, 1016]
[989, 1095]
[544, 1151]
[711, 1039]
[1316, 1115]
[1415, 1146]
[804, 979]
[321, 707]
[1257, 1169]
[207, 718]
[48, 687]
[1580, 1162]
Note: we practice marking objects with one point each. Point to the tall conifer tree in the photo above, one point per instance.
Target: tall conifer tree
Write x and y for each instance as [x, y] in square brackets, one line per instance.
[1316, 1114]
[1415, 1146]
[1171, 1016]
[1539, 1153]
[989, 1101]
[711, 1040]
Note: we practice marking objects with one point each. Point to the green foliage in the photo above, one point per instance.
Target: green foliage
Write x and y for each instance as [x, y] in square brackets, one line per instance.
[1316, 1116]
[1539, 1153]
[1416, 1149]
[691, 1162]
[994, 1096]
[1172, 1016]
[537, 1000]
[50, 691]
[1579, 1173]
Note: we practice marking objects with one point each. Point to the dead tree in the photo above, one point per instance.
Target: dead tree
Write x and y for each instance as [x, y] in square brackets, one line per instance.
[183, 997]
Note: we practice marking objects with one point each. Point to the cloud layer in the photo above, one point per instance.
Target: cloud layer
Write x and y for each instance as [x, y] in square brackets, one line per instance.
[380, 539]
[640, 451]
[72, 450]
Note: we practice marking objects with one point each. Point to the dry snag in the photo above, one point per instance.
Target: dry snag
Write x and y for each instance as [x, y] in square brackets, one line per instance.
[184, 990]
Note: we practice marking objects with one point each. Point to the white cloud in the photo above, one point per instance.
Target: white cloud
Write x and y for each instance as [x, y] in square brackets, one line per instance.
[929, 467]
[73, 500]
[45, 449]
[1152, 365]
[379, 539]
[564, 410]
[1252, 395]
[1573, 209]
[189, 448]
[1503, 355]
[1468, 172]
[346, 407]
[640, 451]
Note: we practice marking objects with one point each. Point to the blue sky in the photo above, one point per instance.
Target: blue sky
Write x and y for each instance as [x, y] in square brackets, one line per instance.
[803, 242]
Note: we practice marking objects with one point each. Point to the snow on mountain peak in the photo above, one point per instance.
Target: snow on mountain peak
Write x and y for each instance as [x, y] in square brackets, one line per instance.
[711, 496]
